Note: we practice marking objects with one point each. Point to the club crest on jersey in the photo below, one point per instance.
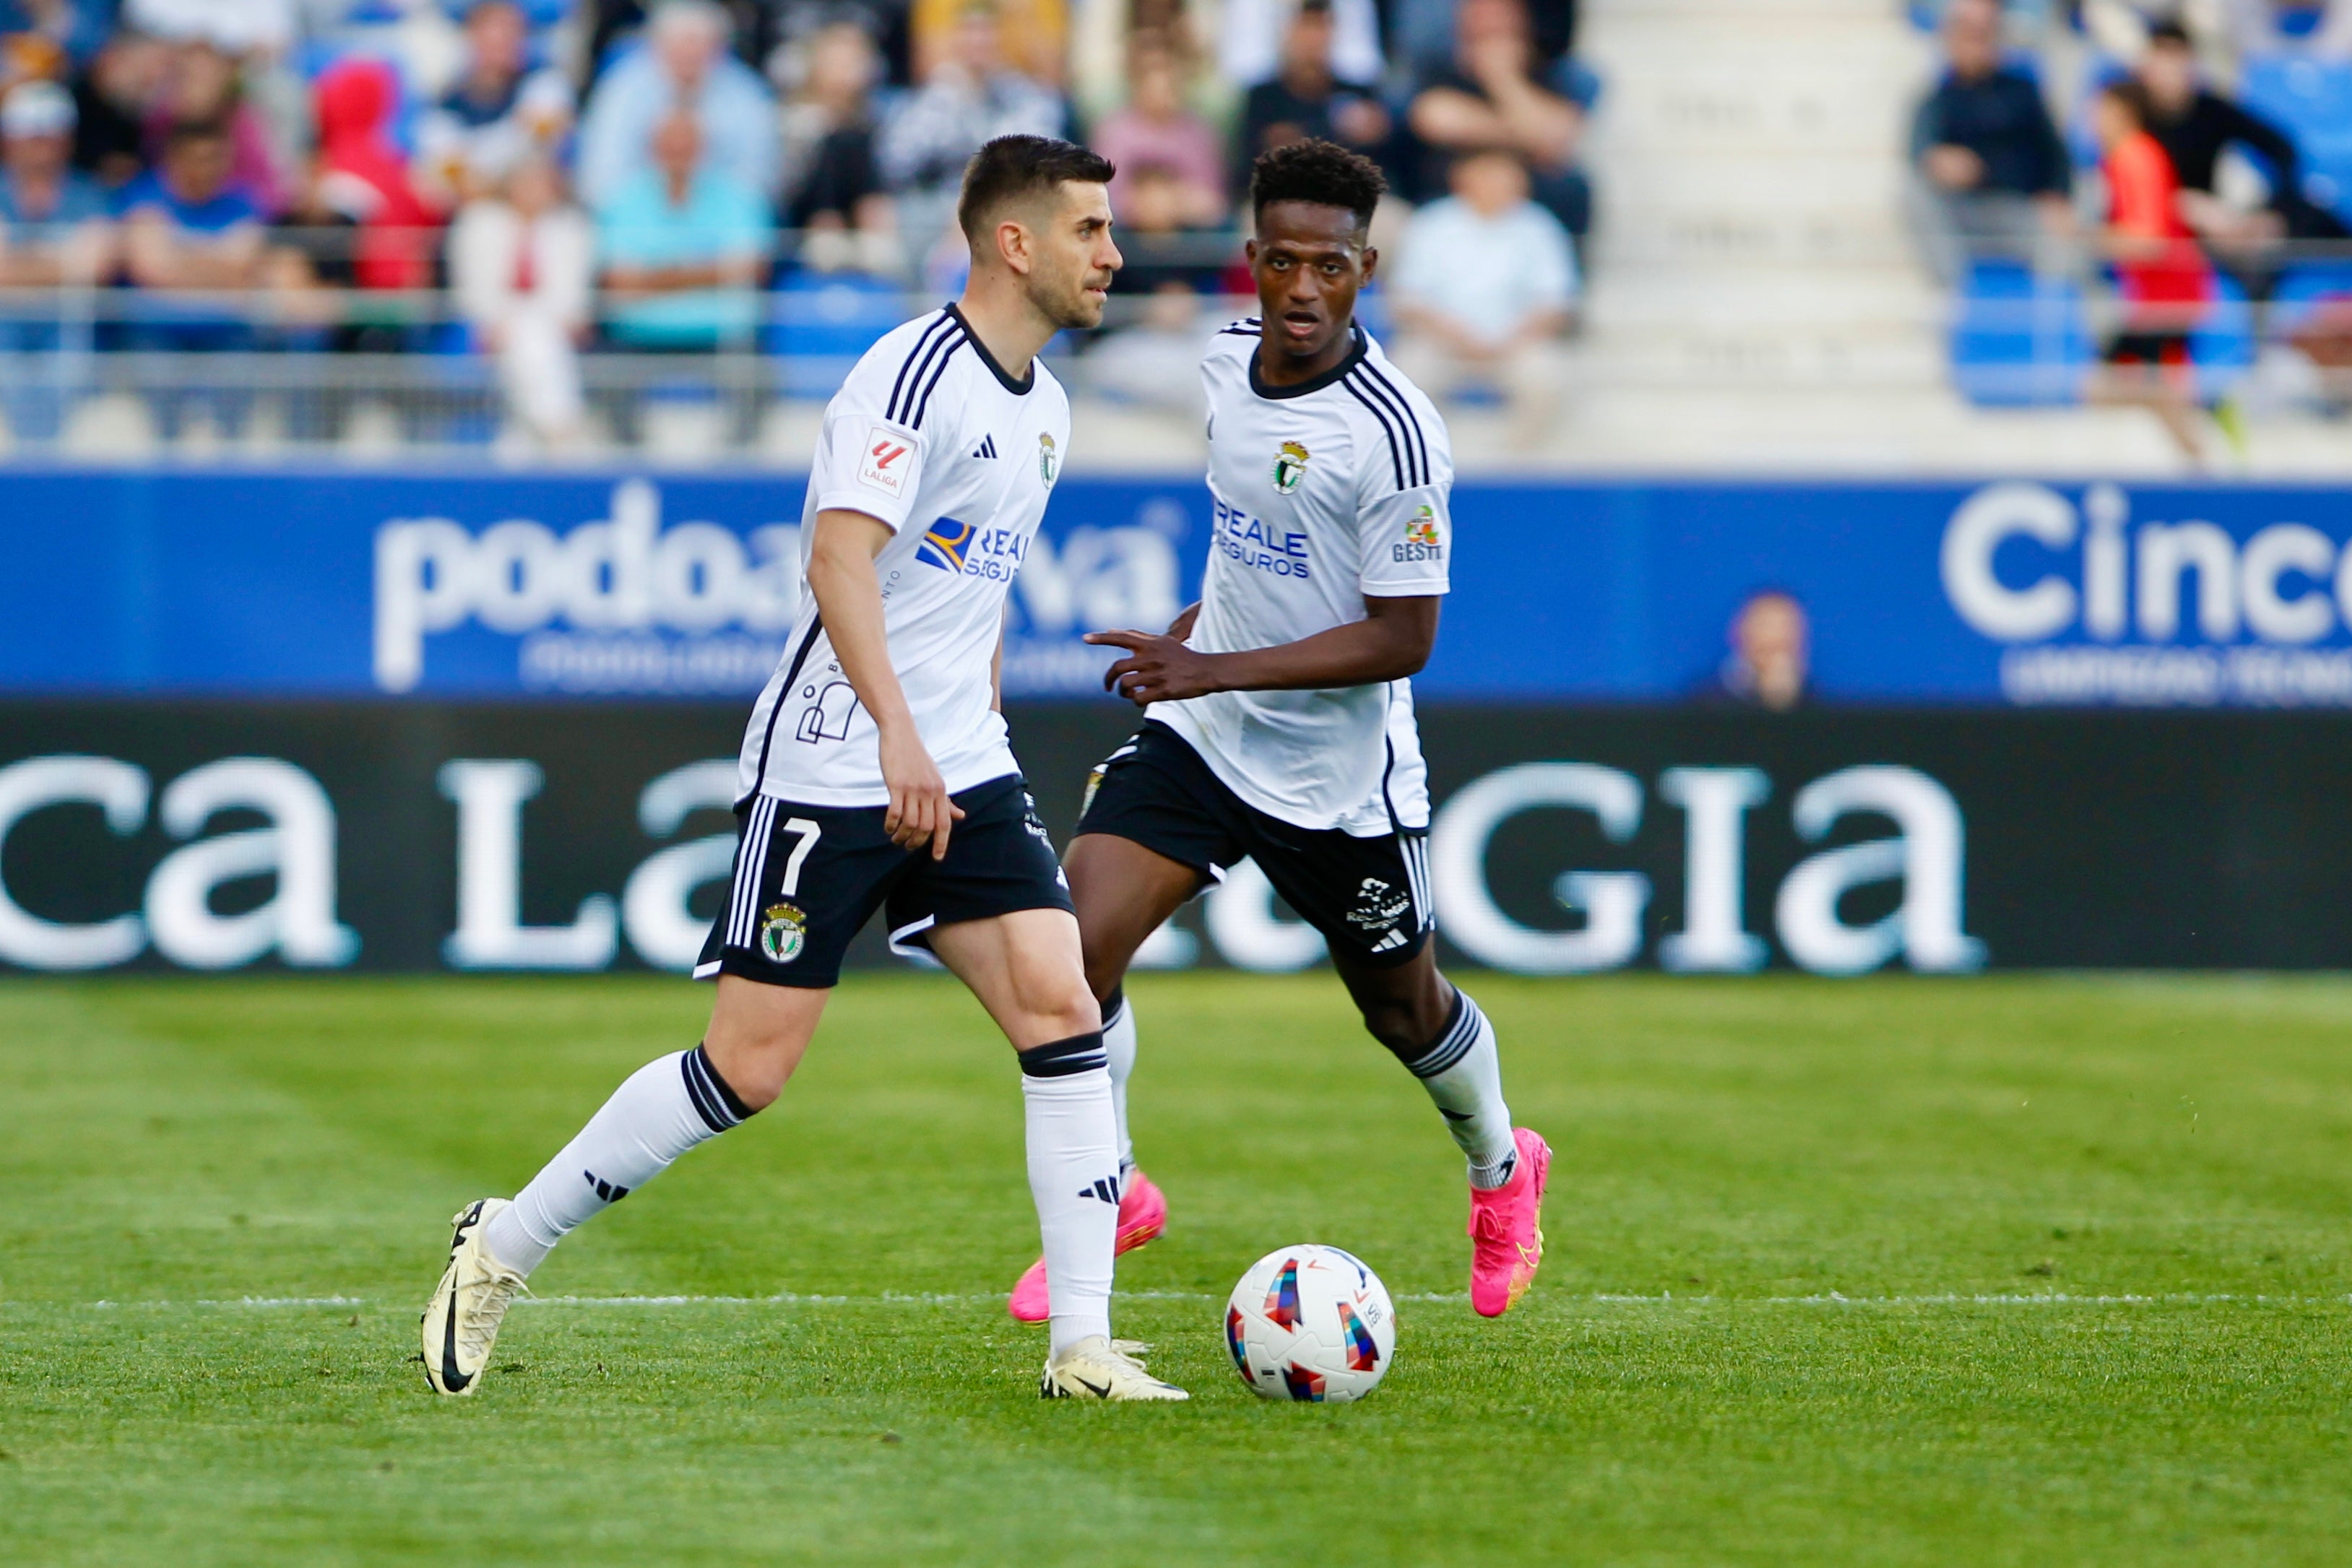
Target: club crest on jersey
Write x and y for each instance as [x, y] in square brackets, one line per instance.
[784, 932]
[944, 544]
[1289, 466]
[1048, 460]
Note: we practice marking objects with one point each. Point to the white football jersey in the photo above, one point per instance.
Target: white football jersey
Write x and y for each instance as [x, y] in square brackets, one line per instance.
[1321, 493]
[929, 436]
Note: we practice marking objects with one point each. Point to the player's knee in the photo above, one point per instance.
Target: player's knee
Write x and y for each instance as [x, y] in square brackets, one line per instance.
[755, 1067]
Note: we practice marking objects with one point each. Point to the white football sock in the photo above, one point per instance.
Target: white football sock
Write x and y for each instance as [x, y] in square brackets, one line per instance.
[1464, 1074]
[664, 1109]
[1119, 1044]
[1074, 1177]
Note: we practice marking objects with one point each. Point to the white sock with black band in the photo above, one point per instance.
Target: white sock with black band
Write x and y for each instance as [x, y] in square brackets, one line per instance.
[1464, 1074]
[1118, 1045]
[1074, 1177]
[662, 1109]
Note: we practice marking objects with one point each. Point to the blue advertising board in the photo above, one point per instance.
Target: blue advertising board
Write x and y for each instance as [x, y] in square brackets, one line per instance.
[490, 585]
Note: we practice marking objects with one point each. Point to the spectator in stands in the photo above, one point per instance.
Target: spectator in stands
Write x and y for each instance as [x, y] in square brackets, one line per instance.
[836, 185]
[1153, 355]
[111, 100]
[50, 38]
[1485, 289]
[1421, 34]
[2120, 29]
[685, 65]
[1257, 41]
[753, 27]
[1103, 36]
[1032, 36]
[973, 97]
[501, 111]
[1994, 176]
[683, 246]
[1771, 660]
[1497, 93]
[187, 229]
[1156, 129]
[2162, 277]
[365, 175]
[521, 262]
[1309, 98]
[54, 227]
[53, 233]
[2193, 124]
[200, 87]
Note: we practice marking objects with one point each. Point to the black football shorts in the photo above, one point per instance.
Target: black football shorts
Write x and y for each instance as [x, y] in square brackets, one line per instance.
[808, 878]
[1368, 896]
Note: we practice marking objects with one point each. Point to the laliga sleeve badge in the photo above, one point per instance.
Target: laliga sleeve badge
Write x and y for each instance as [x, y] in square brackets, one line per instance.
[884, 463]
[1048, 460]
[1289, 467]
[784, 932]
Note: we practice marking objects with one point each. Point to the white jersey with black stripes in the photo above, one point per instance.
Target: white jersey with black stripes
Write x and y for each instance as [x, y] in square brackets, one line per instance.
[1322, 494]
[931, 437]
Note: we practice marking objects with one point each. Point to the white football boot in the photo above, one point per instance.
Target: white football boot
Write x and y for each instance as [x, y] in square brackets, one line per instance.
[461, 1322]
[1099, 1368]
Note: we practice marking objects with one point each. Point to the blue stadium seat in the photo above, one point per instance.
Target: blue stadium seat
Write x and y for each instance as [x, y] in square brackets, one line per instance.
[2311, 100]
[818, 323]
[2019, 340]
[2222, 348]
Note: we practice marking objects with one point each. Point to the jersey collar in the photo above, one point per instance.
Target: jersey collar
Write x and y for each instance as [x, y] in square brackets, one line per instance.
[1313, 383]
[1019, 388]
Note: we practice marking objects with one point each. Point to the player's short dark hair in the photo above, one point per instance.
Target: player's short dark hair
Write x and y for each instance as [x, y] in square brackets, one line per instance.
[1012, 167]
[1322, 172]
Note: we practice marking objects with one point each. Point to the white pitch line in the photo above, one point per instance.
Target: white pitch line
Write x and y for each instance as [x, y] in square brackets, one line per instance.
[944, 1298]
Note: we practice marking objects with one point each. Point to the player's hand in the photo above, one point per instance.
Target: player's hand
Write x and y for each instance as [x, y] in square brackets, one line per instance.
[1158, 669]
[920, 812]
[1181, 627]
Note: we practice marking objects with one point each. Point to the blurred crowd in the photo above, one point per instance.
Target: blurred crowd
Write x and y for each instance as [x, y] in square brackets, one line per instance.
[641, 176]
[2195, 153]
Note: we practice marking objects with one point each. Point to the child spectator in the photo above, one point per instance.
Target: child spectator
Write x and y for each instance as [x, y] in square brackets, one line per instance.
[521, 262]
[683, 65]
[1497, 93]
[1310, 98]
[1155, 128]
[1992, 172]
[1486, 286]
[836, 185]
[499, 113]
[1153, 356]
[683, 245]
[2162, 277]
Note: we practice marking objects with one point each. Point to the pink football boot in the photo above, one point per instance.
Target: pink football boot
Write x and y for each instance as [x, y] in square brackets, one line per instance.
[1507, 1230]
[1142, 1215]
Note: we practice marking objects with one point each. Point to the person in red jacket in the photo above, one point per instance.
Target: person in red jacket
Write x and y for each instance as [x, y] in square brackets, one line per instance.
[2164, 281]
[362, 173]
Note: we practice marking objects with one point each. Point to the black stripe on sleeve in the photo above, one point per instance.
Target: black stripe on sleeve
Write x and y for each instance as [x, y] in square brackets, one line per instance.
[1396, 452]
[1404, 412]
[922, 405]
[920, 354]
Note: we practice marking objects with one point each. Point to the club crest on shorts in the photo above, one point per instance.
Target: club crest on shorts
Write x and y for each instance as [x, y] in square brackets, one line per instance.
[1379, 905]
[1289, 466]
[784, 932]
[1048, 460]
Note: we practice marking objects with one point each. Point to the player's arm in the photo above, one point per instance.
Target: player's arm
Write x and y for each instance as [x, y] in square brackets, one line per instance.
[996, 673]
[849, 599]
[1391, 643]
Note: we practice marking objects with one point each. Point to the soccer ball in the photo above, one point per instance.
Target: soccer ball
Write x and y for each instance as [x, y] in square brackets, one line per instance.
[1310, 1322]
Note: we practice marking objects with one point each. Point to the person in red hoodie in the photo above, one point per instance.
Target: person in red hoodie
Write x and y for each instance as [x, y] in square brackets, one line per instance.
[2163, 279]
[361, 173]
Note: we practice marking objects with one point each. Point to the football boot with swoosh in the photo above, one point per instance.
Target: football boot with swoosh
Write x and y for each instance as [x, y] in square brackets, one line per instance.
[461, 1322]
[1507, 1230]
[1099, 1368]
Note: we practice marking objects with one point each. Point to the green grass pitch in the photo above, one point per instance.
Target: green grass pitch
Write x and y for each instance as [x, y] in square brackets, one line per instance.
[2004, 1270]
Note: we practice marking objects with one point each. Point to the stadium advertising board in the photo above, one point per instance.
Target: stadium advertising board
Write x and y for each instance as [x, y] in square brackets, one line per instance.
[216, 836]
[485, 585]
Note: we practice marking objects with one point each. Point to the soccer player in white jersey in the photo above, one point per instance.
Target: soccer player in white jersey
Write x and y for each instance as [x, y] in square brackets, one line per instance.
[875, 775]
[1280, 721]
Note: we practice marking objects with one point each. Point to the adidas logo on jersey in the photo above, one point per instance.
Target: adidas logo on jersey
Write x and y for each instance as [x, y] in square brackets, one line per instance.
[987, 447]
